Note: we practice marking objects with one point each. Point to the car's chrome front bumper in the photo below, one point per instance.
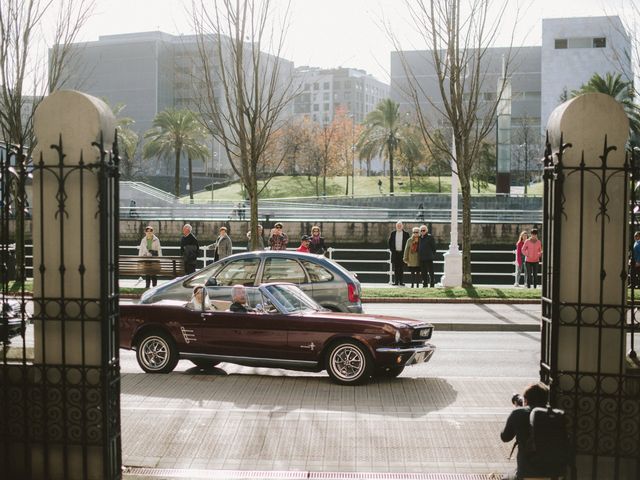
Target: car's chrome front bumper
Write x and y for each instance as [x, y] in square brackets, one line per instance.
[409, 355]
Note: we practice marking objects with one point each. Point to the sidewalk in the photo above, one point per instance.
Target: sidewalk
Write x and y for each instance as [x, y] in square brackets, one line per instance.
[291, 427]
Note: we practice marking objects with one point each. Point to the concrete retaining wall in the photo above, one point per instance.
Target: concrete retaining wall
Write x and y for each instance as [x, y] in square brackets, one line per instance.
[336, 233]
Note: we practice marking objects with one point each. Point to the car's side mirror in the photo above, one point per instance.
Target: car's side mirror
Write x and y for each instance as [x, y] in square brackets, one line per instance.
[212, 282]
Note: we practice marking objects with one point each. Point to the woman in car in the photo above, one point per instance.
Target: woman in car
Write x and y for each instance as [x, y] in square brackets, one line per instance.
[199, 299]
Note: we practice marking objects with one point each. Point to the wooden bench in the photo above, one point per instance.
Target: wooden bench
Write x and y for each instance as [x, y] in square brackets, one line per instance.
[135, 266]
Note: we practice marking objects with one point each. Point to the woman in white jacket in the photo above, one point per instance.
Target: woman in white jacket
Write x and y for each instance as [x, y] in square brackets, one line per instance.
[150, 247]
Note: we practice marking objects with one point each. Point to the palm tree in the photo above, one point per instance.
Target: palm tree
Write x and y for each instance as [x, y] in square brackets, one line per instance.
[128, 140]
[622, 91]
[381, 134]
[175, 132]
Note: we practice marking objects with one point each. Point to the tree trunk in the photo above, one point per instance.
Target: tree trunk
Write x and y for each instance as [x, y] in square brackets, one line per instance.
[465, 187]
[190, 178]
[176, 184]
[19, 207]
[324, 179]
[346, 188]
[439, 184]
[252, 192]
[390, 171]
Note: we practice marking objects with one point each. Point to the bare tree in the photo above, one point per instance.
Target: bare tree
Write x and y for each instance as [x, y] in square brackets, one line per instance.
[246, 85]
[26, 72]
[26, 75]
[456, 45]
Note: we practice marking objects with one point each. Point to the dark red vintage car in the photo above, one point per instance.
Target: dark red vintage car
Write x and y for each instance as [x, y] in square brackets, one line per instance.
[286, 329]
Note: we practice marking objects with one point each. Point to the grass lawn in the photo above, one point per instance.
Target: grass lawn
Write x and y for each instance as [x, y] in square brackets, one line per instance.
[302, 186]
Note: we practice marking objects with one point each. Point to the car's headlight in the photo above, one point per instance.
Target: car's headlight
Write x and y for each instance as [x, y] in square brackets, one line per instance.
[397, 336]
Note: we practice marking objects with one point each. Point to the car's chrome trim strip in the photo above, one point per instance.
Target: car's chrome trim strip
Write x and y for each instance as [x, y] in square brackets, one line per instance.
[252, 360]
[426, 348]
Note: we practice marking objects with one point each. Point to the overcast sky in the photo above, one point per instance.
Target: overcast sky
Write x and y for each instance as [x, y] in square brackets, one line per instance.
[332, 33]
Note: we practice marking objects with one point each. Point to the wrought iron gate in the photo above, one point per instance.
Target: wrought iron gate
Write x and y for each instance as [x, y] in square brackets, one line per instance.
[603, 407]
[62, 419]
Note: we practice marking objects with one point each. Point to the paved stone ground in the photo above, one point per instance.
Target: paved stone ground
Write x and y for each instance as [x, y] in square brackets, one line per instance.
[292, 421]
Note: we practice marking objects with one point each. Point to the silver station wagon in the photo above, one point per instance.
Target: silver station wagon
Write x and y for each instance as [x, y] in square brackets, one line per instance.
[329, 284]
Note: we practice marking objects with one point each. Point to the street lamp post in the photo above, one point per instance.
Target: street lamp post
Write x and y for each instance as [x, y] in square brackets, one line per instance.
[453, 257]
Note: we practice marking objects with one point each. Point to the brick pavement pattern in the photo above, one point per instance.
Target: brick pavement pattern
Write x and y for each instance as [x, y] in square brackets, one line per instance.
[293, 422]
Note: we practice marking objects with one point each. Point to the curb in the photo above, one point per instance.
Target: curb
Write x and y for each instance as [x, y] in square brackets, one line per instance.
[486, 327]
[521, 301]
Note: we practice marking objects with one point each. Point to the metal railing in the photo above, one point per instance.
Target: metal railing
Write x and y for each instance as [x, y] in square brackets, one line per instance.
[229, 211]
[502, 265]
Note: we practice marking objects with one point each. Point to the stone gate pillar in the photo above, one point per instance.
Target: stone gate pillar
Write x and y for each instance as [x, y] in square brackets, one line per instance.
[73, 421]
[585, 244]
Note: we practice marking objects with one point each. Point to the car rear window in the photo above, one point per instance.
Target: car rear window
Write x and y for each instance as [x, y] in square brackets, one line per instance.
[283, 270]
[317, 273]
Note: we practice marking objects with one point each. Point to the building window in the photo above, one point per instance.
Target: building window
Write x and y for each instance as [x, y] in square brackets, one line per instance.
[600, 42]
[326, 85]
[316, 86]
[325, 96]
[316, 107]
[561, 43]
[307, 87]
[326, 107]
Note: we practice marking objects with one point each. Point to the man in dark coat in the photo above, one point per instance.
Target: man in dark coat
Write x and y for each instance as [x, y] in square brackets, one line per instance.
[397, 241]
[189, 249]
[427, 254]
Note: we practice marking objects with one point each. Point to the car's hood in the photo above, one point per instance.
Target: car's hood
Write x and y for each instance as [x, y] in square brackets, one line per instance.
[397, 322]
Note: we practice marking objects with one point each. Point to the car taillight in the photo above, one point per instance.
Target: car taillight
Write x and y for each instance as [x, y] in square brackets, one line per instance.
[353, 292]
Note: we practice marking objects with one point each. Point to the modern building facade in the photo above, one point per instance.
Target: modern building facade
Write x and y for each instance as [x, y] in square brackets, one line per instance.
[539, 76]
[574, 49]
[323, 91]
[152, 71]
[149, 72]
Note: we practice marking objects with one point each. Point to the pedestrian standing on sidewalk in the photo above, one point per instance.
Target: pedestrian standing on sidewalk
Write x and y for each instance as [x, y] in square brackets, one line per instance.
[520, 258]
[532, 251]
[223, 246]
[397, 241]
[317, 241]
[150, 247]
[411, 257]
[189, 249]
[427, 254]
[260, 238]
[635, 267]
[305, 242]
[278, 239]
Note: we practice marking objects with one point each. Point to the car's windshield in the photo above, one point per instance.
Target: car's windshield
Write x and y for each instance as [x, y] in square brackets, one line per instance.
[290, 298]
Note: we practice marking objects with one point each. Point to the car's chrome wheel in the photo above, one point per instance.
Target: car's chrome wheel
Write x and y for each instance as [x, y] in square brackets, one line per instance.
[156, 353]
[349, 362]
